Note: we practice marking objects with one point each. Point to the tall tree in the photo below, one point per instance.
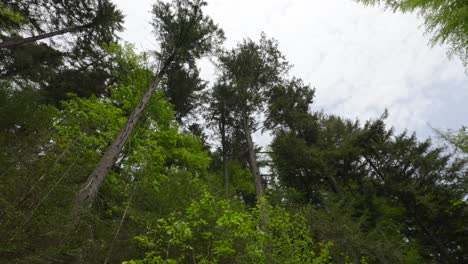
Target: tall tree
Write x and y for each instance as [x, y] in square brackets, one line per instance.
[250, 70]
[426, 183]
[315, 153]
[185, 34]
[220, 118]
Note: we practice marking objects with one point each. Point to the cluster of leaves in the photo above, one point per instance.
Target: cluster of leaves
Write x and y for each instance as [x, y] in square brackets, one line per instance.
[9, 19]
[220, 231]
[457, 139]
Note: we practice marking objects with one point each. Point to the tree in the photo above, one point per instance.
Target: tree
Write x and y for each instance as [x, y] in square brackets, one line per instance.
[426, 183]
[185, 34]
[77, 63]
[341, 191]
[93, 19]
[311, 152]
[45, 158]
[250, 70]
[447, 20]
[393, 179]
[219, 117]
[375, 234]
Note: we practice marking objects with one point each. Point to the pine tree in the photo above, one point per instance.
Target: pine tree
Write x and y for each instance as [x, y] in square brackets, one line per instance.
[185, 34]
[425, 183]
[95, 20]
[220, 118]
[250, 70]
[74, 63]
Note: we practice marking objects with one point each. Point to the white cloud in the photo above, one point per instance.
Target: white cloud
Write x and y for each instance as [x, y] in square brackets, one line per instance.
[361, 59]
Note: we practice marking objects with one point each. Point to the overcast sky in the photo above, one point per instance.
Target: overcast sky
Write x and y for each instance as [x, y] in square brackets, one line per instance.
[361, 59]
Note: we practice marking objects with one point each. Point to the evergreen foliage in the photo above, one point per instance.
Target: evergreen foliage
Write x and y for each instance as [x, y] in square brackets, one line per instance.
[325, 190]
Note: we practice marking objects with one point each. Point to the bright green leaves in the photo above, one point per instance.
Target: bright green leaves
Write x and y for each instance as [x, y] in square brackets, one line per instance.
[133, 74]
[218, 231]
[241, 179]
[9, 19]
[292, 241]
[155, 147]
[159, 168]
[188, 153]
[98, 122]
[458, 139]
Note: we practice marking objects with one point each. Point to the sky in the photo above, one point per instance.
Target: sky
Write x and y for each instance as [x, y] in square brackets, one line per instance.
[361, 60]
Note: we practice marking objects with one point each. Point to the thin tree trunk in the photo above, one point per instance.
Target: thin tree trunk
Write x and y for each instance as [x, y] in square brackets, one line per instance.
[253, 159]
[18, 42]
[335, 184]
[96, 178]
[225, 160]
[256, 173]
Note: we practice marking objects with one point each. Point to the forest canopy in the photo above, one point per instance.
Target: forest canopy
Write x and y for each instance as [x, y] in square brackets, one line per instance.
[113, 155]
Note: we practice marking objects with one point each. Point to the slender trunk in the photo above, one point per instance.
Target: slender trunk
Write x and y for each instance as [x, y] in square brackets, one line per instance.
[335, 184]
[225, 160]
[96, 178]
[253, 159]
[226, 175]
[256, 173]
[18, 42]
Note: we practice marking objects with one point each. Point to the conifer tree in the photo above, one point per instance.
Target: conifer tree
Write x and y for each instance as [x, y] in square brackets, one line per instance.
[250, 70]
[72, 63]
[185, 34]
[221, 119]
[425, 182]
[92, 19]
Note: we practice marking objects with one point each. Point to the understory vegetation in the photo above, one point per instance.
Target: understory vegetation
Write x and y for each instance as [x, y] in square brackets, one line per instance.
[110, 155]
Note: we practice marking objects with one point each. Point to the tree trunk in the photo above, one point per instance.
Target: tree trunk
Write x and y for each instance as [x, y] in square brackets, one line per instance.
[334, 183]
[18, 42]
[256, 173]
[96, 178]
[253, 159]
[225, 160]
